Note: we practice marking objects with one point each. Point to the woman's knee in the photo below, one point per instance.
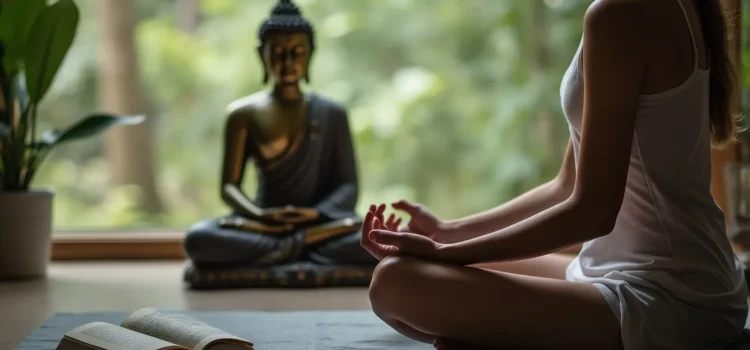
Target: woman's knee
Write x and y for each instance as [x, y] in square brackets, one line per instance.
[389, 282]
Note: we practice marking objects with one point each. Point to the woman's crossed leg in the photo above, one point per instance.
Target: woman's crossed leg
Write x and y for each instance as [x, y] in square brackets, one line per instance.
[486, 306]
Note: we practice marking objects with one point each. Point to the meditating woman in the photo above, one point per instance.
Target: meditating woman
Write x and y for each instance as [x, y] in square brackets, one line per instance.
[650, 89]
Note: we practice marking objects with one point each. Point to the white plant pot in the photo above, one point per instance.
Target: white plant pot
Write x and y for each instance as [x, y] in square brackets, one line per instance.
[25, 234]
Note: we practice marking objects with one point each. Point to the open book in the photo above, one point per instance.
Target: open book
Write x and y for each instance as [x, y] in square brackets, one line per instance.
[148, 329]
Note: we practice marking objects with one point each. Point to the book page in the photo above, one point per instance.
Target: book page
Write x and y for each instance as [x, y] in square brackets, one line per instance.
[108, 336]
[180, 329]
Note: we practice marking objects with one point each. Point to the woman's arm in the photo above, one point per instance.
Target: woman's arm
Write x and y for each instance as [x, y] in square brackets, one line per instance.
[520, 208]
[614, 62]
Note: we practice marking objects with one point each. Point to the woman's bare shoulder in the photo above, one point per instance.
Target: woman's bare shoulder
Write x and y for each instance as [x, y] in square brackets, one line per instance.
[624, 23]
[632, 15]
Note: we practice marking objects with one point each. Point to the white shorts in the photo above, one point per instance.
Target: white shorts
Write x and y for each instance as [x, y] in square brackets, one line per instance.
[652, 318]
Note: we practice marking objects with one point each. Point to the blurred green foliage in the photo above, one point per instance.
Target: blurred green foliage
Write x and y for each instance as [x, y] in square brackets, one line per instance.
[453, 103]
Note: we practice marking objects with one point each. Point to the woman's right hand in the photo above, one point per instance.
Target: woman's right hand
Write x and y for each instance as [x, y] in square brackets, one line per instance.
[422, 221]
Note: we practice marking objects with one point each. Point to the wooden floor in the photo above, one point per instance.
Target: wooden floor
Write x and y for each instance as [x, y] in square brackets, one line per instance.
[126, 286]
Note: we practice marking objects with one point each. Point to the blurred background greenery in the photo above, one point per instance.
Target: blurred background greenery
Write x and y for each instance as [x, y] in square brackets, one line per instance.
[453, 103]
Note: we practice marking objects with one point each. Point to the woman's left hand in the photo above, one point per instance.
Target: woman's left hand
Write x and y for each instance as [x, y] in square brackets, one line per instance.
[381, 240]
[407, 243]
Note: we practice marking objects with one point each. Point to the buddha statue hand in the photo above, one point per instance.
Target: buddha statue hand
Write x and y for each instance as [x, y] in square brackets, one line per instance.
[290, 215]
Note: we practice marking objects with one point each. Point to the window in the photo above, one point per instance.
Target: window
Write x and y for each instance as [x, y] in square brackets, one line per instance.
[444, 97]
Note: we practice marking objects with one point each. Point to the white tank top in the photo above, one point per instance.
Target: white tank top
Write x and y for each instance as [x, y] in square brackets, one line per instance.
[670, 233]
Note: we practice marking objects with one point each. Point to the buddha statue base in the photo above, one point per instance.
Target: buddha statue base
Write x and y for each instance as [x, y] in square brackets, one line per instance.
[295, 275]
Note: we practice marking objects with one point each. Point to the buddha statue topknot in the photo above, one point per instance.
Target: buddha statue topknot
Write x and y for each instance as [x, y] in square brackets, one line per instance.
[300, 228]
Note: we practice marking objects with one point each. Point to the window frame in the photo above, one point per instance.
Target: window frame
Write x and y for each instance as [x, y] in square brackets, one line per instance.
[168, 243]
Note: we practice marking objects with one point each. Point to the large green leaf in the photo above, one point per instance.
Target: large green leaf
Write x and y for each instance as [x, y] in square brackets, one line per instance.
[87, 127]
[48, 42]
[16, 19]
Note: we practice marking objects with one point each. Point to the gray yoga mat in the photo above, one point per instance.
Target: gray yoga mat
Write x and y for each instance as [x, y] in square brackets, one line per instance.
[308, 330]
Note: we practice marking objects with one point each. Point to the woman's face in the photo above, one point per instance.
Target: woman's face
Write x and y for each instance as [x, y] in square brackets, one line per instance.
[286, 57]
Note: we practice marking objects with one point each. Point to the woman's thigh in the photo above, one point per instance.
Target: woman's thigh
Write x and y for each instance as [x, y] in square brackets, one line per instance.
[492, 308]
[549, 266]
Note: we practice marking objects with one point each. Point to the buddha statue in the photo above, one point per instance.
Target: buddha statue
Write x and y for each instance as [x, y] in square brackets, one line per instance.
[300, 229]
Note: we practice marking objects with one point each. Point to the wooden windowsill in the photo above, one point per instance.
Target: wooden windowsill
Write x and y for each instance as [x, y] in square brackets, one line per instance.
[118, 245]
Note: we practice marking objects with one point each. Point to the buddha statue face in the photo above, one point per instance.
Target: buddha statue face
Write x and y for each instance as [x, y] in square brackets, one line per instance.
[286, 57]
[286, 46]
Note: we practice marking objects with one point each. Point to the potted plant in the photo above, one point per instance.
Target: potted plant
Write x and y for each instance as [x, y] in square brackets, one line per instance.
[34, 39]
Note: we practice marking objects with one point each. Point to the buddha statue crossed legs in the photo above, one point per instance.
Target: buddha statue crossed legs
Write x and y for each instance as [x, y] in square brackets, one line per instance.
[300, 229]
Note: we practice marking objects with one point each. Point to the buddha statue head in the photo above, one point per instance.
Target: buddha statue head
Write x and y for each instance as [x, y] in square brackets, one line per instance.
[286, 44]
